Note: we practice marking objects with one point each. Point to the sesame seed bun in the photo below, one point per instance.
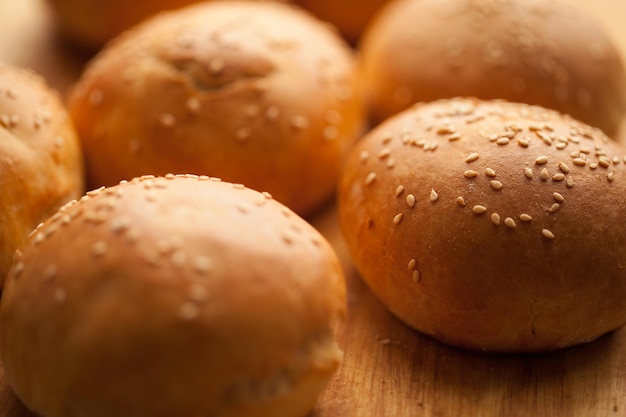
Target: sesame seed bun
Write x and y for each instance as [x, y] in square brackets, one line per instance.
[260, 93]
[176, 296]
[350, 17]
[41, 164]
[490, 225]
[546, 53]
[90, 24]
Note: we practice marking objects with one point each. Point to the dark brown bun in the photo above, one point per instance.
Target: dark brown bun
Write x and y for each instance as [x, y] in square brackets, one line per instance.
[41, 164]
[350, 17]
[258, 93]
[545, 53]
[490, 225]
[177, 296]
[91, 23]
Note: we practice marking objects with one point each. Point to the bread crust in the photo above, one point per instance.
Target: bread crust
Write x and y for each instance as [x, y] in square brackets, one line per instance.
[41, 165]
[173, 296]
[530, 51]
[490, 225]
[254, 93]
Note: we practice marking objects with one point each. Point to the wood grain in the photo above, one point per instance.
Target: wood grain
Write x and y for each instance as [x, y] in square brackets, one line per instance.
[389, 369]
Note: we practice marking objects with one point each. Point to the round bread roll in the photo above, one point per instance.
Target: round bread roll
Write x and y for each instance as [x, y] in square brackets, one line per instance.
[41, 164]
[176, 296]
[349, 16]
[255, 93]
[89, 24]
[546, 53]
[490, 225]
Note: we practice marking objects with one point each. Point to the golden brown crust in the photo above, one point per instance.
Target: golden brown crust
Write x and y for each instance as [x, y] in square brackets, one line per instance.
[490, 225]
[529, 51]
[173, 296]
[91, 23]
[41, 164]
[255, 93]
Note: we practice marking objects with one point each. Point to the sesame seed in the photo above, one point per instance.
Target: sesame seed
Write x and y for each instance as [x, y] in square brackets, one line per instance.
[242, 133]
[558, 197]
[523, 142]
[272, 113]
[547, 234]
[330, 132]
[399, 190]
[99, 248]
[496, 185]
[299, 122]
[472, 157]
[364, 156]
[410, 200]
[593, 165]
[391, 163]
[416, 276]
[398, 218]
[412, 264]
[544, 175]
[202, 264]
[167, 120]
[478, 209]
[216, 66]
[454, 137]
[197, 293]
[433, 195]
[503, 141]
[461, 201]
[60, 295]
[525, 217]
[490, 172]
[189, 311]
[371, 177]
[554, 208]
[193, 104]
[470, 174]
[252, 110]
[563, 167]
[541, 160]
[610, 176]
[558, 177]
[604, 162]
[446, 129]
[528, 173]
[510, 223]
[569, 181]
[495, 219]
[384, 153]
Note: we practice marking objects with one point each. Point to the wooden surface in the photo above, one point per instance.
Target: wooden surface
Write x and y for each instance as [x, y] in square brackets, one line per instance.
[389, 369]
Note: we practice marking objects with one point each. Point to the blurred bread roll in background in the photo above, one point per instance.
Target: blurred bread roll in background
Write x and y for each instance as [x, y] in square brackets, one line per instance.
[41, 166]
[350, 17]
[258, 93]
[531, 51]
[175, 296]
[89, 24]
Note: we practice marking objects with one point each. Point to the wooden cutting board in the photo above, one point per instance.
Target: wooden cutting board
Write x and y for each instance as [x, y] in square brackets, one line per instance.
[389, 369]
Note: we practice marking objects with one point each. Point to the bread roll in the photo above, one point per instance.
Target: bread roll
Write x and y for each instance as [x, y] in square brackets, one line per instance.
[89, 24]
[41, 164]
[174, 296]
[349, 16]
[490, 225]
[258, 93]
[546, 53]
